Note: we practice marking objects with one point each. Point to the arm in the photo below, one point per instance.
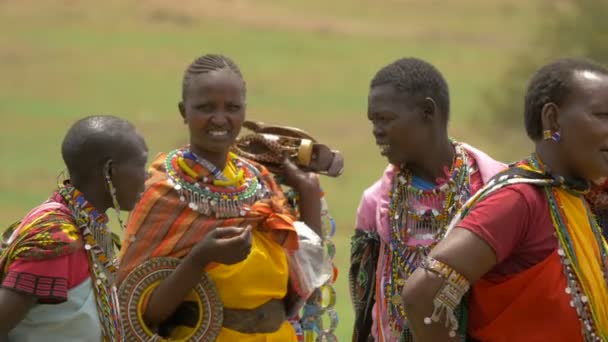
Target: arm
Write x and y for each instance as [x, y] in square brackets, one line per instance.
[310, 207]
[487, 236]
[13, 308]
[308, 187]
[224, 245]
[457, 251]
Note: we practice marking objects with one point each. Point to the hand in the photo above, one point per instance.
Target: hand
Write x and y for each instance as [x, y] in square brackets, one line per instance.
[224, 245]
[301, 181]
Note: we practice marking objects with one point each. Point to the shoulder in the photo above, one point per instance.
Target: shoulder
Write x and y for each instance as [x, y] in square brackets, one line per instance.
[47, 231]
[380, 187]
[371, 199]
[485, 166]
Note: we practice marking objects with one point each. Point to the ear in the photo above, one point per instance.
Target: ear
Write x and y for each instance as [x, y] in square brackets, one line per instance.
[429, 109]
[182, 111]
[549, 116]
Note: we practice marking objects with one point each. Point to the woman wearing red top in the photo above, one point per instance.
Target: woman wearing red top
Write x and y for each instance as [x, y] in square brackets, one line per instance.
[527, 245]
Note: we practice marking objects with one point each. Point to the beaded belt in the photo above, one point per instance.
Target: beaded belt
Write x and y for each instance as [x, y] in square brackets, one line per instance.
[266, 318]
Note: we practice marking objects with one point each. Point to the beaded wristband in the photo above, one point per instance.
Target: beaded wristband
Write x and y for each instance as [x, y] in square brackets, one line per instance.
[454, 287]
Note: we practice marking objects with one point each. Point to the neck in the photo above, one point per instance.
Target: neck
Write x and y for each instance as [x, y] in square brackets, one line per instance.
[550, 158]
[438, 157]
[218, 159]
[98, 198]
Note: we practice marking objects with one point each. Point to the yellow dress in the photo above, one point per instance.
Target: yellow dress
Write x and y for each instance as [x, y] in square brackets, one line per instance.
[252, 282]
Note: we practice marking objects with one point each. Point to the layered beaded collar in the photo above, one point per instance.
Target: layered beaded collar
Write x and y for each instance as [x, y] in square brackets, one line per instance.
[208, 197]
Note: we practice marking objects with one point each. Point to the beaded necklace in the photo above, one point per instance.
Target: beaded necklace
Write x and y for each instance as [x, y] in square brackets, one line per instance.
[206, 196]
[424, 220]
[103, 264]
[579, 300]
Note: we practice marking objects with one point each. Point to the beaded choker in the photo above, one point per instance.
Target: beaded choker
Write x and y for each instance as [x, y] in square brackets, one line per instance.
[421, 215]
[99, 247]
[210, 199]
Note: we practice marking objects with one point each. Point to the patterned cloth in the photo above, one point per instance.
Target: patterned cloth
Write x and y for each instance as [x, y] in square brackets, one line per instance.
[46, 233]
[44, 256]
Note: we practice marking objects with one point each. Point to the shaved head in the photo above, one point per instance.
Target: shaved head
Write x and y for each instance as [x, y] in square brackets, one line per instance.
[93, 141]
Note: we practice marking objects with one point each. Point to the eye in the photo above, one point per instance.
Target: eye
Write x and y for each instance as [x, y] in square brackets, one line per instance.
[205, 107]
[233, 108]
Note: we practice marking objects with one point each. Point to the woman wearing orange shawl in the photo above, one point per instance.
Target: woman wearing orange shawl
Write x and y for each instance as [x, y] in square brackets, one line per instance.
[225, 221]
[527, 244]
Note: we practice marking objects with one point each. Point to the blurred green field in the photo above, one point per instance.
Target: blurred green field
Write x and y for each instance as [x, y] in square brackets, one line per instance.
[307, 64]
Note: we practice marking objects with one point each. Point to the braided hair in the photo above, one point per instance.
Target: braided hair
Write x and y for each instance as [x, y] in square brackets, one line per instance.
[416, 77]
[552, 84]
[206, 64]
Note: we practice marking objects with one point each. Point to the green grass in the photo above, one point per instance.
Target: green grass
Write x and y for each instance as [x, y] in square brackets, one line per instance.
[307, 64]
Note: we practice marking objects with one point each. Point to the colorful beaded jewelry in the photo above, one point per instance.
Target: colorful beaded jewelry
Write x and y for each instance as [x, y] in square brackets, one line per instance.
[320, 306]
[408, 220]
[145, 278]
[209, 199]
[454, 287]
[99, 247]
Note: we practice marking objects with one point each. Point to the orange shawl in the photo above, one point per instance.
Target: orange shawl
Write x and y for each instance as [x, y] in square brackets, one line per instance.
[161, 225]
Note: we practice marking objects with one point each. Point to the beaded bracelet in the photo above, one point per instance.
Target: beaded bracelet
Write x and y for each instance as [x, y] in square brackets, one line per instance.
[454, 287]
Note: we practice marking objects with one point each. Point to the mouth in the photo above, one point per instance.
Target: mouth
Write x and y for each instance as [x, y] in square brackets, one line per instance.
[384, 149]
[219, 134]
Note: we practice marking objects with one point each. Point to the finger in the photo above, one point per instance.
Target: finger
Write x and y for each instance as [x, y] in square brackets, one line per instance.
[249, 234]
[227, 232]
[234, 243]
[288, 164]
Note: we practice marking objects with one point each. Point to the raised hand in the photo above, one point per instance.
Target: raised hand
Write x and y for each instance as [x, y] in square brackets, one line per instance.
[224, 245]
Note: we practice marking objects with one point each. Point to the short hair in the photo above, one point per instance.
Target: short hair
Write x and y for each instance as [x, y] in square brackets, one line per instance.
[416, 77]
[206, 64]
[94, 140]
[552, 84]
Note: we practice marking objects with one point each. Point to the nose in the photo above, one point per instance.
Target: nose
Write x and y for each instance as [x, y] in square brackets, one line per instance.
[378, 131]
[219, 119]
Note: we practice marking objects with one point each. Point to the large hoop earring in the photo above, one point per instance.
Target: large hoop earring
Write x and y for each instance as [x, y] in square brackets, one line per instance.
[112, 189]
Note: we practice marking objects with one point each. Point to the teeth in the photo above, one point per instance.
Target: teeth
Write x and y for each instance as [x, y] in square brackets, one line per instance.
[218, 133]
[384, 148]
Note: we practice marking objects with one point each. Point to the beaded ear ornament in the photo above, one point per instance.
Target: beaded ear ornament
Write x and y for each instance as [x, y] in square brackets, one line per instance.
[108, 175]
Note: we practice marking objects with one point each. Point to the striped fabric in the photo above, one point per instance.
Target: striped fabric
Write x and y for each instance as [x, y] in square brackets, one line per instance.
[162, 225]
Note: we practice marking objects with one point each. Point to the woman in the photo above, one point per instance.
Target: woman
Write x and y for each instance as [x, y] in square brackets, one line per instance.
[539, 256]
[404, 213]
[57, 267]
[222, 216]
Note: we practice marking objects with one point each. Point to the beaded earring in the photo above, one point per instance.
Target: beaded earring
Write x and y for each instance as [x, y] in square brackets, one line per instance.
[548, 135]
[112, 189]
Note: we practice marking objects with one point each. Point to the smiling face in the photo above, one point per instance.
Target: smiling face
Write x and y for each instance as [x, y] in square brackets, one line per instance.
[398, 124]
[583, 123]
[214, 109]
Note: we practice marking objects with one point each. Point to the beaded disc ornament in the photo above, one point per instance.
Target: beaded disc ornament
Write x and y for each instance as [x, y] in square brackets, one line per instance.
[144, 278]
